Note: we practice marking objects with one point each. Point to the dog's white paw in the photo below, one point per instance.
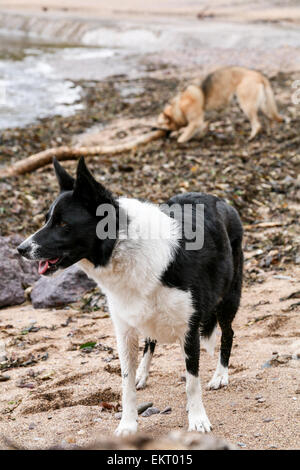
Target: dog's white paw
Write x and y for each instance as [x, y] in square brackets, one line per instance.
[199, 422]
[126, 428]
[218, 381]
[141, 382]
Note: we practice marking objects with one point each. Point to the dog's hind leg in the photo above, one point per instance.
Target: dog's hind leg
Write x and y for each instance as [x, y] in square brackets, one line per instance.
[225, 314]
[249, 98]
[144, 367]
[198, 420]
[268, 104]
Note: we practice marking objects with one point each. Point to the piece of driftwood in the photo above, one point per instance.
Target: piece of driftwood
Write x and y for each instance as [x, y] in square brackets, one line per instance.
[41, 159]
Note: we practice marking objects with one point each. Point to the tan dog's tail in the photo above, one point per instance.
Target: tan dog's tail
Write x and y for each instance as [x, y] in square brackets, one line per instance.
[268, 104]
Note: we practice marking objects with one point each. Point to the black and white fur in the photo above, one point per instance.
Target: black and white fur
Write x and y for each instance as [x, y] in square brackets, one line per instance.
[154, 287]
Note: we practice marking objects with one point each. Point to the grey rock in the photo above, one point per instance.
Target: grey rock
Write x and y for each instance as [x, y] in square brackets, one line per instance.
[16, 273]
[150, 411]
[143, 406]
[62, 289]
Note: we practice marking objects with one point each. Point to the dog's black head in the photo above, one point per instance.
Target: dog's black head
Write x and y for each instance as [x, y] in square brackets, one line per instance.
[69, 233]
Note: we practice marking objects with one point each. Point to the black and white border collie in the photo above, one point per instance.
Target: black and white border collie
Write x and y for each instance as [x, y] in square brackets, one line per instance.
[155, 286]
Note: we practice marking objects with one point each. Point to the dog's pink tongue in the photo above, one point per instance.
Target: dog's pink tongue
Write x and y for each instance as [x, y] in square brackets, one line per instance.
[43, 266]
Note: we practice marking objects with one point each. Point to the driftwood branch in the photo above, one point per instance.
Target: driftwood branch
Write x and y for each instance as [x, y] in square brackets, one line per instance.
[68, 153]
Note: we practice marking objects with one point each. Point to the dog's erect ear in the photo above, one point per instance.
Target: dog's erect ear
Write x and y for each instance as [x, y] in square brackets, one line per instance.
[65, 181]
[88, 191]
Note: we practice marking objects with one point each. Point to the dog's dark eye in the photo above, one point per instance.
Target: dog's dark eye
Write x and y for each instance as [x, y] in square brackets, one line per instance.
[62, 224]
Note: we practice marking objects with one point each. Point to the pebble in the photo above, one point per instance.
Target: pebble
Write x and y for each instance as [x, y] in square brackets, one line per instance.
[143, 407]
[166, 411]
[261, 400]
[150, 411]
[118, 415]
[268, 420]
[97, 420]
[241, 444]
[31, 426]
[4, 378]
[82, 431]
[280, 276]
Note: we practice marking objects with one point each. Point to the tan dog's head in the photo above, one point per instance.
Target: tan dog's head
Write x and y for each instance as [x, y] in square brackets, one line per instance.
[166, 119]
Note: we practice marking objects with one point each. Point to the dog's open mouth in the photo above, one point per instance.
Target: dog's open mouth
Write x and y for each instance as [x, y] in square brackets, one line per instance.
[49, 265]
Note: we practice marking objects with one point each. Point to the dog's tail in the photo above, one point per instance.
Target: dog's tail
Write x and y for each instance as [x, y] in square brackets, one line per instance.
[268, 103]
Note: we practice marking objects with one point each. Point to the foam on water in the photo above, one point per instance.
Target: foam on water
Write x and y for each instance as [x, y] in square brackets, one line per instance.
[38, 86]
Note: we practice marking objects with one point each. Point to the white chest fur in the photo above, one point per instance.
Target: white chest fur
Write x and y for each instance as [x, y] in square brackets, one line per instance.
[131, 280]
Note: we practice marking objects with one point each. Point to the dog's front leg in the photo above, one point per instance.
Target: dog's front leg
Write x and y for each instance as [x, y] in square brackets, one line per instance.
[193, 128]
[198, 420]
[127, 341]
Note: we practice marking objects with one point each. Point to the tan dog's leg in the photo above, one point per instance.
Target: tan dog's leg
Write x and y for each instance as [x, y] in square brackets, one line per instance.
[249, 95]
[268, 104]
[190, 130]
[192, 107]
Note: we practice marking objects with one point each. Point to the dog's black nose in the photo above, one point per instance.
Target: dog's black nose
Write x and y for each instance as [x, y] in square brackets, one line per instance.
[22, 249]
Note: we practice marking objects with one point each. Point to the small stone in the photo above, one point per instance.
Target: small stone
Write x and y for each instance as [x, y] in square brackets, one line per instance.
[166, 411]
[98, 420]
[82, 431]
[150, 411]
[143, 407]
[268, 420]
[118, 415]
[241, 444]
[261, 400]
[31, 426]
[4, 378]
[281, 276]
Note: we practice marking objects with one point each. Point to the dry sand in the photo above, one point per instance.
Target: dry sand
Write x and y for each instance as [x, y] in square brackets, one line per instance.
[56, 400]
[258, 410]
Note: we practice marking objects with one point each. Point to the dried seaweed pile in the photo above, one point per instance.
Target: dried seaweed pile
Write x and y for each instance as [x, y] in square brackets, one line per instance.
[261, 178]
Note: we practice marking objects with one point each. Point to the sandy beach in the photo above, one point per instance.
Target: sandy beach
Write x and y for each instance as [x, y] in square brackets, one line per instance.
[57, 392]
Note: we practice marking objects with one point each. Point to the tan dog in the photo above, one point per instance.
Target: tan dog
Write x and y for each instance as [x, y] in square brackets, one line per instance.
[253, 91]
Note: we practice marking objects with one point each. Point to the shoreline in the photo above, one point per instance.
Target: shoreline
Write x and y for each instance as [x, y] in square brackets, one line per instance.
[221, 9]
